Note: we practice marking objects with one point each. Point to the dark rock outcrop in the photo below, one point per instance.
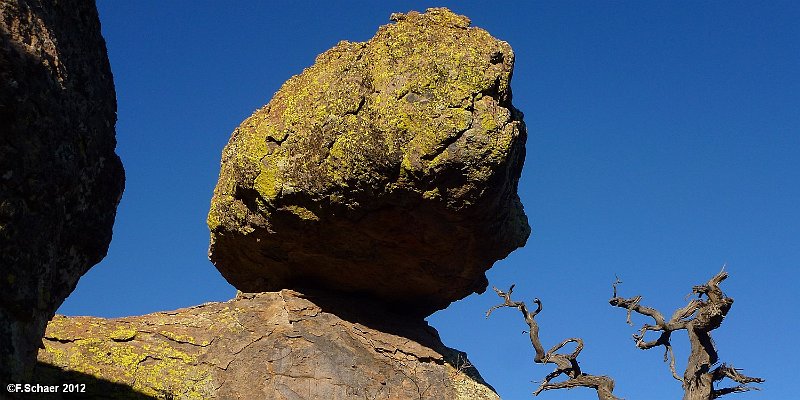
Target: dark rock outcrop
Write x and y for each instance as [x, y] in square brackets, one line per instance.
[60, 180]
[388, 168]
[279, 345]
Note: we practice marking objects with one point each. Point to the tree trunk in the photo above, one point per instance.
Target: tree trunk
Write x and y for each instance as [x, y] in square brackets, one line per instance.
[697, 381]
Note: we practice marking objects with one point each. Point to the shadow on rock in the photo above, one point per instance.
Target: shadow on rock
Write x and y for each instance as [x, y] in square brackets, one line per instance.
[95, 388]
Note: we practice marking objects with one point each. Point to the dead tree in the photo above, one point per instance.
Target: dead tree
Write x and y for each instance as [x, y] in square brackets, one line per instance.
[698, 319]
[566, 364]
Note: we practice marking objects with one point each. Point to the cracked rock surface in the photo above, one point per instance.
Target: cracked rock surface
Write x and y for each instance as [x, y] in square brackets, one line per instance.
[276, 345]
[60, 180]
[388, 168]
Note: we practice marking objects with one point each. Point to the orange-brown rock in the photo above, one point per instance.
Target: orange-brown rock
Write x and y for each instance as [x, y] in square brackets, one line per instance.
[277, 345]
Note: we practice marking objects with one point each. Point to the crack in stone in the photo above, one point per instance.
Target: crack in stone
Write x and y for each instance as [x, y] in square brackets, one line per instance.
[178, 340]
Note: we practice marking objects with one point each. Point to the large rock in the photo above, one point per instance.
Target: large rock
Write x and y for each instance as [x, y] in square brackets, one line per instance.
[60, 180]
[279, 345]
[388, 168]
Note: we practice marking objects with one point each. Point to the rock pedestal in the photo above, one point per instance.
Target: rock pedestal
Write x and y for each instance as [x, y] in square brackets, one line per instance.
[280, 345]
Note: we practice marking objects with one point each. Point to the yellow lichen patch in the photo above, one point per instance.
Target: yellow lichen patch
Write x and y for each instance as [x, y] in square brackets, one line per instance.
[467, 388]
[452, 66]
[268, 183]
[443, 16]
[503, 143]
[53, 354]
[60, 329]
[267, 133]
[433, 135]
[171, 377]
[122, 333]
[123, 357]
[161, 369]
[354, 155]
[183, 338]
[94, 357]
[213, 220]
[148, 365]
[432, 194]
[302, 212]
[227, 319]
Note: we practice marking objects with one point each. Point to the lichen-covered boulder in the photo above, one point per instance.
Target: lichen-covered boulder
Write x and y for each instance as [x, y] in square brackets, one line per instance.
[388, 168]
[60, 180]
[279, 345]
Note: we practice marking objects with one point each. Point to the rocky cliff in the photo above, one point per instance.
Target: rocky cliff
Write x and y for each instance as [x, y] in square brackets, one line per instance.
[388, 168]
[60, 180]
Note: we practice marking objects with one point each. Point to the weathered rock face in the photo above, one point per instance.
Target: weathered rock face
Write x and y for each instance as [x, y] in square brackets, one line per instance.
[279, 345]
[388, 168]
[60, 180]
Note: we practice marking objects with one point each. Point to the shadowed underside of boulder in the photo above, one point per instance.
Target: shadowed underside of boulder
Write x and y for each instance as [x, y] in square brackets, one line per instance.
[389, 168]
[60, 180]
[278, 345]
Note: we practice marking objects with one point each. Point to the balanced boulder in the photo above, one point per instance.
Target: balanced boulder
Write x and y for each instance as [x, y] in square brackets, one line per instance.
[388, 169]
[60, 180]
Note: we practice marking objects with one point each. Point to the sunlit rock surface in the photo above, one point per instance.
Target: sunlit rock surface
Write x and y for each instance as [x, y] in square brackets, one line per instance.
[279, 345]
[388, 168]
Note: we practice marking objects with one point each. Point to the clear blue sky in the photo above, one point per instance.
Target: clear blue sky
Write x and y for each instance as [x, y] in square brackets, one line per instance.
[664, 141]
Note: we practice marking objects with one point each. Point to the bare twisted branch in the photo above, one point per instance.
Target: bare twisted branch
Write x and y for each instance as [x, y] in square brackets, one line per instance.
[566, 364]
[699, 317]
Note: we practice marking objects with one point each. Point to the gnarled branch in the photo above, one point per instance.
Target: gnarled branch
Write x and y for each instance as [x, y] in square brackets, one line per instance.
[566, 364]
[699, 317]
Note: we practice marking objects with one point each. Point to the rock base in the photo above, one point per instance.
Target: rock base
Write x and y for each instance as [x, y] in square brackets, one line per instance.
[275, 345]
